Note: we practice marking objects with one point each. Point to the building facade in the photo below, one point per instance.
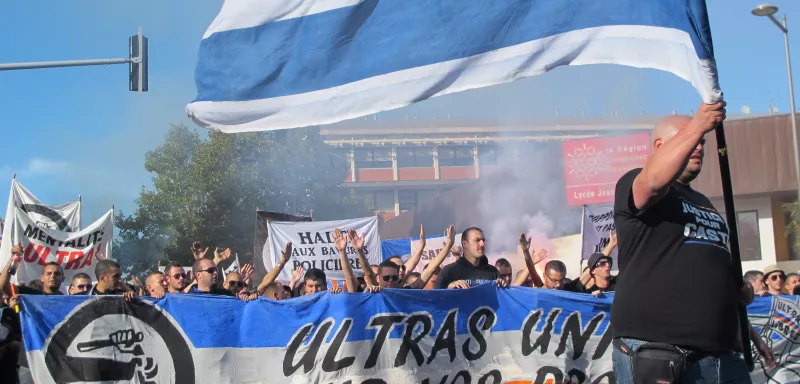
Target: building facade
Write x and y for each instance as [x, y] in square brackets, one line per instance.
[400, 165]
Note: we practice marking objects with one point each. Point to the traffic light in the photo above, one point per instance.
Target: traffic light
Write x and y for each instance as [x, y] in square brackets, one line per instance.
[137, 53]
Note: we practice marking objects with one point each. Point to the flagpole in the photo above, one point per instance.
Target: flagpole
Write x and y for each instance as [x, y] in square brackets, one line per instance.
[583, 222]
[733, 238]
[111, 241]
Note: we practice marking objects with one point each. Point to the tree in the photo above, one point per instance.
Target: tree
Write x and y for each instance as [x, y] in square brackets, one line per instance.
[208, 190]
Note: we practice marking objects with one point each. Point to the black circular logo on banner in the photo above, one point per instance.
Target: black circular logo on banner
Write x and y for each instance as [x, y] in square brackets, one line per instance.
[142, 365]
[60, 222]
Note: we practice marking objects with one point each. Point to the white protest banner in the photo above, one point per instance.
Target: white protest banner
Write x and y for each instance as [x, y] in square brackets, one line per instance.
[433, 245]
[74, 251]
[598, 222]
[65, 217]
[313, 245]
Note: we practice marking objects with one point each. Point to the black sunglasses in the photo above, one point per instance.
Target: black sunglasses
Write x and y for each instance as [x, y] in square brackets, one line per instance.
[603, 263]
[83, 286]
[237, 283]
[179, 276]
[390, 278]
[211, 270]
[777, 276]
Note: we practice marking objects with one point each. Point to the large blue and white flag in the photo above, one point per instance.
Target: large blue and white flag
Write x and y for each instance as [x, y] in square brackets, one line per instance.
[265, 64]
[478, 335]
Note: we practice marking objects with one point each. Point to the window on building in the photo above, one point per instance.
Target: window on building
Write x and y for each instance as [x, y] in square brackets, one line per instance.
[373, 158]
[749, 235]
[414, 157]
[487, 155]
[407, 200]
[455, 156]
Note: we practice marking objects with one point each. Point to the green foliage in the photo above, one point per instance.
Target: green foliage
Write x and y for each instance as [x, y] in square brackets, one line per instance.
[208, 190]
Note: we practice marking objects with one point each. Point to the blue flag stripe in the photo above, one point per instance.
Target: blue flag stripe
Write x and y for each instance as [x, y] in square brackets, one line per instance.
[374, 38]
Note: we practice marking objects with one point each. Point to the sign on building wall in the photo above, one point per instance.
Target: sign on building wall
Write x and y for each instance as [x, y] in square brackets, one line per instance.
[593, 166]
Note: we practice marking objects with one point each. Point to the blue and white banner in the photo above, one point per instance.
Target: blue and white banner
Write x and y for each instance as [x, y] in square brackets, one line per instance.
[266, 65]
[479, 335]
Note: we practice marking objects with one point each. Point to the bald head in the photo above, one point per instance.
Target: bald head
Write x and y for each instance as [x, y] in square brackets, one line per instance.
[233, 276]
[275, 291]
[668, 127]
[665, 130]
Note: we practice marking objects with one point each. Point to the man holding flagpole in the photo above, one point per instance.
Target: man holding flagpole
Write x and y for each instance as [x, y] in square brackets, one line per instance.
[673, 245]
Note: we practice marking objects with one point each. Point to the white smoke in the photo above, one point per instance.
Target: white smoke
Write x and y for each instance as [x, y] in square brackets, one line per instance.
[525, 193]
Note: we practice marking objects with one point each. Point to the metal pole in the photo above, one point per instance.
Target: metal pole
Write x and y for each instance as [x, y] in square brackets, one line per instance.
[785, 30]
[733, 239]
[111, 240]
[141, 48]
[56, 64]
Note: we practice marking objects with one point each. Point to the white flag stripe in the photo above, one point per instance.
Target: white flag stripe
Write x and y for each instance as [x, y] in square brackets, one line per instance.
[632, 45]
[238, 14]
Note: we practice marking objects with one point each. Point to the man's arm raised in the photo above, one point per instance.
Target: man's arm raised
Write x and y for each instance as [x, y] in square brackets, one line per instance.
[416, 255]
[341, 245]
[273, 274]
[5, 275]
[358, 245]
[668, 162]
[426, 275]
[541, 255]
[530, 265]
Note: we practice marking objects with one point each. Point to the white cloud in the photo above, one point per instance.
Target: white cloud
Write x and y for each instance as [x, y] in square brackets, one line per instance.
[38, 166]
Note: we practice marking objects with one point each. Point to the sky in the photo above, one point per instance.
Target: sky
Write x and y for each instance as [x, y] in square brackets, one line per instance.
[79, 131]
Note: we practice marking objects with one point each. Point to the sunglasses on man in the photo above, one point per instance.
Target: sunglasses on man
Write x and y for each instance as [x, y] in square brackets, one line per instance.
[236, 283]
[603, 263]
[391, 278]
[83, 287]
[179, 276]
[777, 276]
[210, 271]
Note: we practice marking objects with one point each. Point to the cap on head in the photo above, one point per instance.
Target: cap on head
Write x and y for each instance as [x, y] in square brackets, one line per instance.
[772, 269]
[595, 258]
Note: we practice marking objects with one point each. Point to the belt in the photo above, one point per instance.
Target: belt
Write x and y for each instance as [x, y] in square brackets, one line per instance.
[690, 355]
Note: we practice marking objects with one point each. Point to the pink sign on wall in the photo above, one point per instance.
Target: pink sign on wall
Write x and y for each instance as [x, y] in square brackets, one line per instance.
[592, 167]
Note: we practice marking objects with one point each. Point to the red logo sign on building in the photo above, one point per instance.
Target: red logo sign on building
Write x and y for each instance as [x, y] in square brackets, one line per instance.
[592, 167]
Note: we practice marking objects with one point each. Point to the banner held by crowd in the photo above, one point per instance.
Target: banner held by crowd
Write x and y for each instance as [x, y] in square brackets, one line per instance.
[314, 245]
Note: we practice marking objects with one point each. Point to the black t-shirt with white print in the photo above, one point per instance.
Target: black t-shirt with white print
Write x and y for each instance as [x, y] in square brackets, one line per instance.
[675, 282]
[462, 269]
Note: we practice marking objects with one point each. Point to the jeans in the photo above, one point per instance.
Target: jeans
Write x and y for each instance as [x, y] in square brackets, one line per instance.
[727, 368]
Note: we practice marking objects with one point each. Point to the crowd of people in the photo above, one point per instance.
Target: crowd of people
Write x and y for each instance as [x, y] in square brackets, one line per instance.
[676, 295]
[470, 268]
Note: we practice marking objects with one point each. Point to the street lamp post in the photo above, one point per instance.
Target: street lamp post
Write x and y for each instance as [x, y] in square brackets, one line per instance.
[770, 10]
